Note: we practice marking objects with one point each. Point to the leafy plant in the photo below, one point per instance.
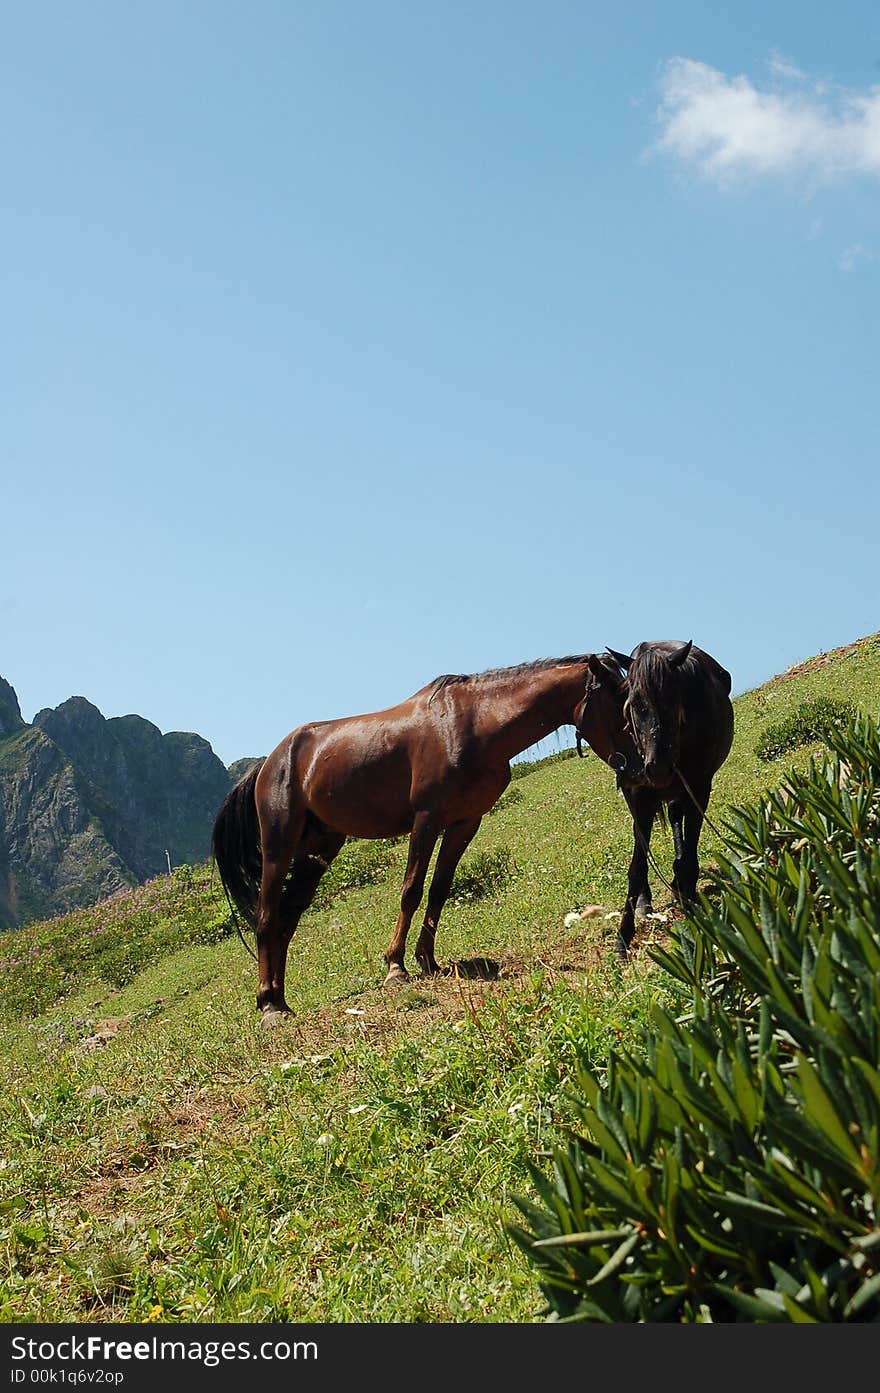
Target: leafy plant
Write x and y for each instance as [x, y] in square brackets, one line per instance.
[731, 1172]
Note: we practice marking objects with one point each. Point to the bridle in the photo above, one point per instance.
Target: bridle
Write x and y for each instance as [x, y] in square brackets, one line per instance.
[617, 760]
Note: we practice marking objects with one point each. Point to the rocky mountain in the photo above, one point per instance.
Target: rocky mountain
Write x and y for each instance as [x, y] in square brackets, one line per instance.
[89, 805]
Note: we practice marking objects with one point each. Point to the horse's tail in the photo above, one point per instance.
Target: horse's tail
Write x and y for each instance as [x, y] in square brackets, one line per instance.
[235, 846]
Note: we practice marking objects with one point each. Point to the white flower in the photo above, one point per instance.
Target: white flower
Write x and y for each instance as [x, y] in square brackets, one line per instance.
[325, 1139]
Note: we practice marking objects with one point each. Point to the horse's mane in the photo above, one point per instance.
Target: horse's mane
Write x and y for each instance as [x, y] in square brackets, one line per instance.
[518, 670]
[649, 671]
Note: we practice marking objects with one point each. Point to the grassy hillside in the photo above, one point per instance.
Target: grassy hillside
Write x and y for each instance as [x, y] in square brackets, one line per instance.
[167, 1159]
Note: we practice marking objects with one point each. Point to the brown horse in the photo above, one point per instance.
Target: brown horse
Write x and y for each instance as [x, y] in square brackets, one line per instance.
[430, 767]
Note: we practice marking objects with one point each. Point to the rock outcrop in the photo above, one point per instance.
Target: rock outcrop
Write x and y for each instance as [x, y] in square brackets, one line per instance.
[89, 805]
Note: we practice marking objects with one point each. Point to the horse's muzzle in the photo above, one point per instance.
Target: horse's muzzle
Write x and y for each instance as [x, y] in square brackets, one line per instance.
[630, 772]
[659, 776]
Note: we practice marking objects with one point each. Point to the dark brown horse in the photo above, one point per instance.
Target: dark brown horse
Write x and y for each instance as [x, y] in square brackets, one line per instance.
[430, 767]
[679, 730]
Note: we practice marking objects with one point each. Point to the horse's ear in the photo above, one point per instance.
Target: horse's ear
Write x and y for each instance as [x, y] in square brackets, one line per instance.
[596, 666]
[677, 658]
[620, 658]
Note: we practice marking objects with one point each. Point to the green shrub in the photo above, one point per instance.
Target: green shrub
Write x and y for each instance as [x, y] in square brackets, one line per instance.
[728, 1169]
[521, 767]
[810, 720]
[507, 800]
[358, 863]
[483, 874]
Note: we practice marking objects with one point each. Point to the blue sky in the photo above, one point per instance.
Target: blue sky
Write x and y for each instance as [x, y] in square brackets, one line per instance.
[349, 344]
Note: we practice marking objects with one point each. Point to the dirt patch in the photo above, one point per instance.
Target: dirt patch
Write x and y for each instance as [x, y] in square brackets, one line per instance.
[126, 1166]
[103, 1032]
[820, 660]
[379, 1017]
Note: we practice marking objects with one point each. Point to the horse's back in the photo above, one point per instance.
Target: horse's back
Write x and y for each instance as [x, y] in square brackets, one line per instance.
[711, 714]
[714, 669]
[357, 774]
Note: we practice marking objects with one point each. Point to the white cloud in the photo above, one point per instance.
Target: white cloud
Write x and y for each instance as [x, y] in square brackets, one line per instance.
[783, 67]
[728, 129]
[851, 256]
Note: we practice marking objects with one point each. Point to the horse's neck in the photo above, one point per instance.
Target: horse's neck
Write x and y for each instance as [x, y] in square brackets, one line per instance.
[517, 714]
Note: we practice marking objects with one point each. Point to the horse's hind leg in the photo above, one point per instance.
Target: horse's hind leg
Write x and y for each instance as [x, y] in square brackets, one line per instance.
[422, 841]
[456, 840]
[317, 849]
[280, 831]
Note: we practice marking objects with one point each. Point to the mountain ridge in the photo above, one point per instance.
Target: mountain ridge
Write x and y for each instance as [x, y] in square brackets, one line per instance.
[90, 805]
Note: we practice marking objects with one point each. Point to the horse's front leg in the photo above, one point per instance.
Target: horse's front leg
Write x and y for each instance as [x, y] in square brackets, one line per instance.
[643, 806]
[422, 841]
[456, 840]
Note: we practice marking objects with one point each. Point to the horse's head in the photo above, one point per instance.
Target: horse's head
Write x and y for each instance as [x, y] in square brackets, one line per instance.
[599, 718]
[653, 705]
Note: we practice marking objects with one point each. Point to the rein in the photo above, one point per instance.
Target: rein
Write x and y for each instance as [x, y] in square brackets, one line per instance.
[242, 937]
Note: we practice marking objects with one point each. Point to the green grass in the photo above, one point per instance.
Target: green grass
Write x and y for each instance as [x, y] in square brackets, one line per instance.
[166, 1158]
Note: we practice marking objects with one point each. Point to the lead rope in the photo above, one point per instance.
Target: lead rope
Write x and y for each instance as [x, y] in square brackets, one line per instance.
[702, 811]
[641, 838]
[639, 834]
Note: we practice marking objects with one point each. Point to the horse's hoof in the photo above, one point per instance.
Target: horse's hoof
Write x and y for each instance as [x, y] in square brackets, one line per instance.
[397, 976]
[272, 1016]
[433, 969]
[621, 950]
